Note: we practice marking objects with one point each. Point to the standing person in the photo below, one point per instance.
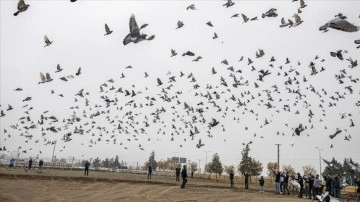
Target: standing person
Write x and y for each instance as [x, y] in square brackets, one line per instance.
[277, 182]
[41, 163]
[231, 179]
[306, 187]
[149, 173]
[328, 187]
[286, 184]
[87, 164]
[30, 163]
[335, 186]
[311, 185]
[316, 186]
[246, 175]
[12, 163]
[262, 183]
[301, 182]
[177, 172]
[184, 177]
[357, 181]
[281, 182]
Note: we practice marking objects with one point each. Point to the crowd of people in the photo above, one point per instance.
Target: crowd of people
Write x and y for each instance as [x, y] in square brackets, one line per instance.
[307, 186]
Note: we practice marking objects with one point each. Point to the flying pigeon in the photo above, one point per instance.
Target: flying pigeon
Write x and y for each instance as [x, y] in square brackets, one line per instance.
[134, 35]
[107, 29]
[21, 7]
[58, 68]
[180, 24]
[229, 3]
[47, 41]
[340, 24]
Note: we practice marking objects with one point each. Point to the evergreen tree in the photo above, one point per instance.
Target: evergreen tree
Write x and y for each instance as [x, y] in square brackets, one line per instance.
[97, 162]
[106, 163]
[245, 162]
[216, 166]
[116, 162]
[151, 162]
[249, 164]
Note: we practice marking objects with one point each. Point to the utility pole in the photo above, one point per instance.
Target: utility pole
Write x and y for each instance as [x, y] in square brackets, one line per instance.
[205, 160]
[319, 159]
[278, 156]
[199, 167]
[52, 160]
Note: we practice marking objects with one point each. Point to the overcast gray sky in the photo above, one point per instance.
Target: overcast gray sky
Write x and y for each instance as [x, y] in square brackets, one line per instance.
[77, 32]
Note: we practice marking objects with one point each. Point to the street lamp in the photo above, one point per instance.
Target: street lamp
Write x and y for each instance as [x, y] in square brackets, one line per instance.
[205, 160]
[319, 158]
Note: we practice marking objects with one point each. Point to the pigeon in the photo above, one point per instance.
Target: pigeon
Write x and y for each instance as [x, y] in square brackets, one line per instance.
[188, 53]
[134, 35]
[191, 7]
[337, 54]
[299, 129]
[283, 23]
[107, 29]
[179, 24]
[260, 54]
[215, 36]
[335, 134]
[340, 24]
[47, 41]
[245, 18]
[2, 114]
[270, 13]
[229, 3]
[341, 16]
[353, 63]
[302, 4]
[21, 7]
[173, 53]
[58, 68]
[199, 144]
[297, 19]
[357, 42]
[159, 82]
[43, 78]
[210, 24]
[78, 72]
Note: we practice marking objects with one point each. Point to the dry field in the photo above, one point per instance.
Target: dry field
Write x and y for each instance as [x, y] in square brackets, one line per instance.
[55, 185]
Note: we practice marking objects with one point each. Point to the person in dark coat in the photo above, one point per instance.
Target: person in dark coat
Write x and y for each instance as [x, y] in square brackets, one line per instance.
[246, 175]
[30, 163]
[261, 183]
[357, 181]
[311, 184]
[277, 182]
[149, 173]
[286, 184]
[177, 172]
[87, 164]
[41, 163]
[301, 182]
[184, 177]
[336, 186]
[231, 179]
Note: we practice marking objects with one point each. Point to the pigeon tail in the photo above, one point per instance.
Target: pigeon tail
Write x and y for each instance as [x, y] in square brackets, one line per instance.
[17, 13]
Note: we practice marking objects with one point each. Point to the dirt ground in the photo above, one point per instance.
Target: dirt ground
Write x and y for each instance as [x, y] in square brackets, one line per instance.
[54, 185]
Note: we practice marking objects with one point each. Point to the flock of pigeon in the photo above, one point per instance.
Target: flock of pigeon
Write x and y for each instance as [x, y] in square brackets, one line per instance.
[126, 114]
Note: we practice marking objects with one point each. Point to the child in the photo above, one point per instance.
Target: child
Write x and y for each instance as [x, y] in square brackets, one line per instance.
[262, 182]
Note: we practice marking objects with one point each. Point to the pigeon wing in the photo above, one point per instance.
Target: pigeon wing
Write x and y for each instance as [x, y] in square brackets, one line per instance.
[21, 4]
[42, 77]
[107, 28]
[134, 28]
[46, 39]
[343, 25]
